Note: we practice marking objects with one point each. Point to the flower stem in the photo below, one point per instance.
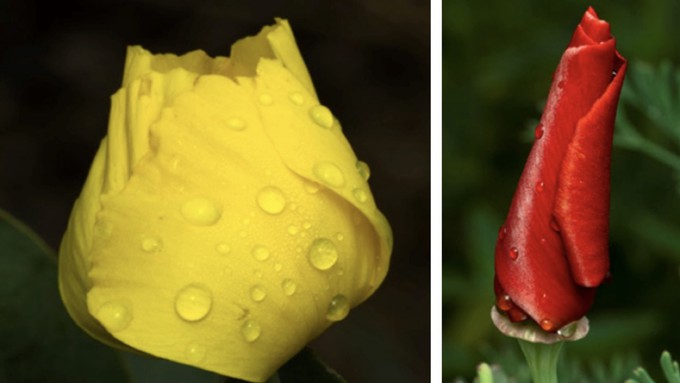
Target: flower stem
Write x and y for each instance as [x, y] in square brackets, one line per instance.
[542, 360]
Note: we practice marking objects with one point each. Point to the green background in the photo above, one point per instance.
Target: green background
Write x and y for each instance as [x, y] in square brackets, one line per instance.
[498, 59]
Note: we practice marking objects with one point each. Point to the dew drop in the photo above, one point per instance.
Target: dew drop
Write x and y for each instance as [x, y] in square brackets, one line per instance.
[251, 330]
[364, 170]
[223, 248]
[561, 84]
[311, 187]
[540, 186]
[261, 253]
[271, 200]
[236, 123]
[502, 233]
[338, 308]
[258, 293]
[288, 287]
[513, 253]
[568, 330]
[329, 174]
[538, 133]
[322, 116]
[152, 244]
[278, 267]
[323, 254]
[360, 195]
[547, 325]
[306, 225]
[201, 212]
[543, 240]
[339, 237]
[293, 230]
[504, 302]
[196, 352]
[193, 302]
[297, 98]
[265, 99]
[115, 316]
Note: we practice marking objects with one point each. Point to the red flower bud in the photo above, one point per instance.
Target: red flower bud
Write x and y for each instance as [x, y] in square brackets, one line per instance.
[552, 251]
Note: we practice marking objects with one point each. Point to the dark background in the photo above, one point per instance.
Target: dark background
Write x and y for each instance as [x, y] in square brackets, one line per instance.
[498, 60]
[369, 60]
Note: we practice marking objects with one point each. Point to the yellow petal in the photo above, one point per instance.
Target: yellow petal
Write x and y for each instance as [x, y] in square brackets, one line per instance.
[225, 222]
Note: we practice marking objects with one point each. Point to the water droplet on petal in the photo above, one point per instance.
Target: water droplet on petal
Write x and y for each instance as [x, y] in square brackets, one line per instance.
[360, 195]
[261, 253]
[258, 293]
[193, 302]
[540, 186]
[278, 267]
[514, 253]
[502, 233]
[561, 84]
[504, 302]
[297, 98]
[196, 352]
[543, 240]
[363, 169]
[288, 287]
[223, 248]
[293, 230]
[329, 174]
[538, 133]
[322, 116]
[311, 187]
[338, 308]
[339, 236]
[151, 244]
[271, 200]
[236, 123]
[265, 99]
[547, 325]
[251, 330]
[323, 254]
[201, 212]
[568, 330]
[115, 316]
[306, 225]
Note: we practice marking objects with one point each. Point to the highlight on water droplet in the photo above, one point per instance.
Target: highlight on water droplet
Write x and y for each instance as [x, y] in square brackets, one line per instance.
[196, 352]
[538, 133]
[193, 302]
[330, 174]
[323, 254]
[540, 186]
[543, 240]
[306, 225]
[339, 237]
[115, 316]
[258, 293]
[360, 195]
[364, 170]
[236, 123]
[151, 244]
[297, 98]
[514, 253]
[547, 325]
[322, 116]
[201, 211]
[251, 330]
[288, 287]
[223, 248]
[265, 99]
[338, 308]
[271, 200]
[261, 253]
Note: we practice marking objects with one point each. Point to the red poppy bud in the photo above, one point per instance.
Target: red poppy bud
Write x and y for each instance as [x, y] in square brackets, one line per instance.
[552, 251]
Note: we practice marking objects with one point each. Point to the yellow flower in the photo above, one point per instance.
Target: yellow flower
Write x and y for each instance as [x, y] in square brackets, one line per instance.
[225, 221]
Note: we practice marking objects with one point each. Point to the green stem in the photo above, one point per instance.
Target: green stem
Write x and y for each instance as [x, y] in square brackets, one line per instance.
[542, 360]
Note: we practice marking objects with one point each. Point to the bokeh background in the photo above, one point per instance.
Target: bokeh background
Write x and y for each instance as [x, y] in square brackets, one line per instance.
[60, 62]
[499, 57]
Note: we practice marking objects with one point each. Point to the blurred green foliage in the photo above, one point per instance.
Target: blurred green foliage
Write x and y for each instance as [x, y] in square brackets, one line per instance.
[498, 61]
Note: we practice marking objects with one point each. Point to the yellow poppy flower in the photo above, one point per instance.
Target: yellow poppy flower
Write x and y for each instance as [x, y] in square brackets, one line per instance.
[225, 221]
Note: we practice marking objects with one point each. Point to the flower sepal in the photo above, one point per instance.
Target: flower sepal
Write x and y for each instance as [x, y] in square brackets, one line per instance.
[531, 332]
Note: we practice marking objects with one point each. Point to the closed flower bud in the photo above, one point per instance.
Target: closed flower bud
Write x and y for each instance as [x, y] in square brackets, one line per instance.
[225, 221]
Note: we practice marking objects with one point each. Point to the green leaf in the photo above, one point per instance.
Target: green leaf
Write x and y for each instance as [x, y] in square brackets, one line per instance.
[38, 340]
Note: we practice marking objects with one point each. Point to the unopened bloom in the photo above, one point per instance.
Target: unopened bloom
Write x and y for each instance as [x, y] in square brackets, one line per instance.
[552, 250]
[225, 221]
